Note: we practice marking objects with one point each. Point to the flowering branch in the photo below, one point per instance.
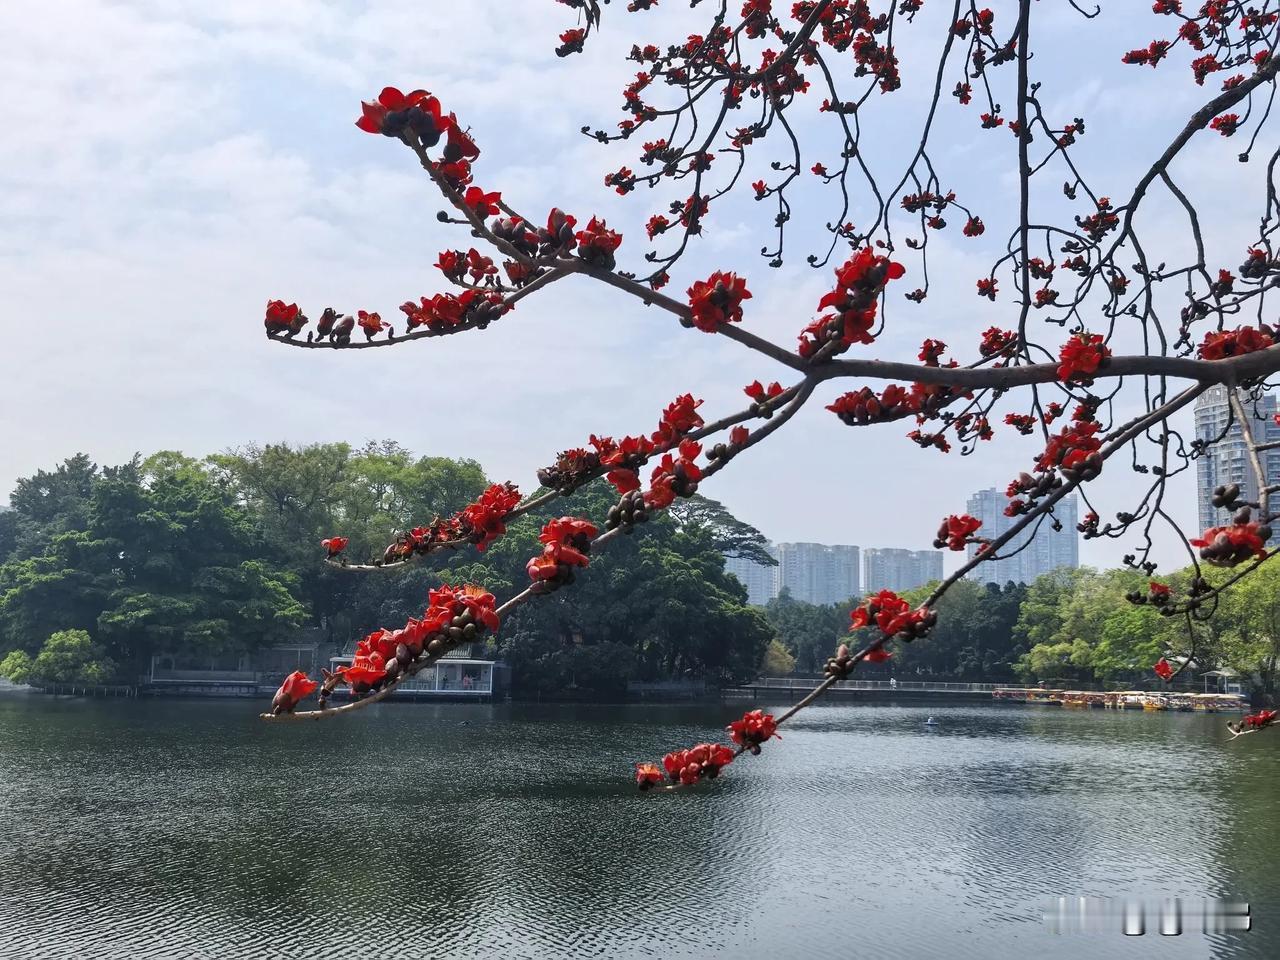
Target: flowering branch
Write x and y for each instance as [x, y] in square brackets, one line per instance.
[762, 60]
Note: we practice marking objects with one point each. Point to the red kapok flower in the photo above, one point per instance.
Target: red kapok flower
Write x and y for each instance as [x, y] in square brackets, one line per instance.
[455, 600]
[859, 283]
[568, 542]
[484, 204]
[365, 670]
[1263, 718]
[931, 352]
[704, 760]
[1163, 669]
[1081, 356]
[394, 112]
[334, 545]
[1227, 546]
[997, 342]
[484, 520]
[648, 775]
[283, 316]
[955, 531]
[1232, 343]
[1158, 589]
[680, 417]
[571, 41]
[892, 615]
[371, 323]
[1225, 124]
[297, 686]
[757, 392]
[460, 147]
[717, 300]
[753, 729]
[597, 243]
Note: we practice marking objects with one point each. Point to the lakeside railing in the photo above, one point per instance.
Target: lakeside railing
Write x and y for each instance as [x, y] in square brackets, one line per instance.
[205, 676]
[88, 689]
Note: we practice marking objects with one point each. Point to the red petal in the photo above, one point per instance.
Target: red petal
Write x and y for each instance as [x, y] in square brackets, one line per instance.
[392, 99]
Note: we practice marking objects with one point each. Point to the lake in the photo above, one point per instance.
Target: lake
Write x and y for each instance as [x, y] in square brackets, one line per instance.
[162, 828]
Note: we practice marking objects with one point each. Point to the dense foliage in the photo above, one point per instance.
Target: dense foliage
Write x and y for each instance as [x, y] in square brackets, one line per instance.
[176, 555]
[103, 567]
[152, 556]
[1077, 625]
[1071, 627]
[973, 640]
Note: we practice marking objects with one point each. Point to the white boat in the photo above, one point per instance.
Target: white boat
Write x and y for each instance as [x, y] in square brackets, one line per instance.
[931, 722]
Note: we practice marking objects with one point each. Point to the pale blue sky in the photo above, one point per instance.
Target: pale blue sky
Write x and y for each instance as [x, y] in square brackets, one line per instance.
[166, 169]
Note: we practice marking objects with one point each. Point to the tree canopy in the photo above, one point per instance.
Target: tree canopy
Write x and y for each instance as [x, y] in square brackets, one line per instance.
[177, 555]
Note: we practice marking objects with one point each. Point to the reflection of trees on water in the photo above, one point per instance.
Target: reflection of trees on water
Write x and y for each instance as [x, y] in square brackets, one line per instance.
[1243, 809]
[473, 830]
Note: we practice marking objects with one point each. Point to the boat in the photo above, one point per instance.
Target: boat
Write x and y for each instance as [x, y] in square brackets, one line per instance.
[1126, 699]
[1017, 694]
[1052, 698]
[931, 722]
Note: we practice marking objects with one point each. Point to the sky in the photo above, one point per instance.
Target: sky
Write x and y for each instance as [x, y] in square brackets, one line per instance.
[168, 167]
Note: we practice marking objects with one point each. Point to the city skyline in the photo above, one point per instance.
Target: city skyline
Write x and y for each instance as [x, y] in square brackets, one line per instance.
[820, 573]
[832, 573]
[898, 569]
[1227, 461]
[761, 581]
[1033, 553]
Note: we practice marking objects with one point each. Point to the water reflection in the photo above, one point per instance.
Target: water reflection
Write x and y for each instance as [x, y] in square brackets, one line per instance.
[171, 829]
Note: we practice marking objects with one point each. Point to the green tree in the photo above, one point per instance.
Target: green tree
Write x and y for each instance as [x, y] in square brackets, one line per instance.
[778, 660]
[973, 639]
[662, 594]
[810, 632]
[16, 667]
[1251, 638]
[731, 536]
[48, 504]
[71, 656]
[300, 495]
[166, 561]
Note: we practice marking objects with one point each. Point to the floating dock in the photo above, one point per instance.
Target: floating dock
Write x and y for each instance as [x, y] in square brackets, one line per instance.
[1125, 699]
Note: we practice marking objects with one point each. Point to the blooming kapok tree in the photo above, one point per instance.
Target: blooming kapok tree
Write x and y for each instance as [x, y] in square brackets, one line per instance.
[1077, 289]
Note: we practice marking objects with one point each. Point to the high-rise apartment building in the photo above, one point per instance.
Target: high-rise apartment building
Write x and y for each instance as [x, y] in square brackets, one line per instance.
[761, 581]
[819, 573]
[1227, 460]
[1049, 550]
[889, 568]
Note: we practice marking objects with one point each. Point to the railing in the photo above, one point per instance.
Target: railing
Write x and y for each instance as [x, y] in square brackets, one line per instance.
[924, 686]
[204, 676]
[89, 689]
[429, 686]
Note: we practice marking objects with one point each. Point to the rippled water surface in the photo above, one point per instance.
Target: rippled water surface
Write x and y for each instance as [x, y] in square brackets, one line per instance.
[189, 829]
